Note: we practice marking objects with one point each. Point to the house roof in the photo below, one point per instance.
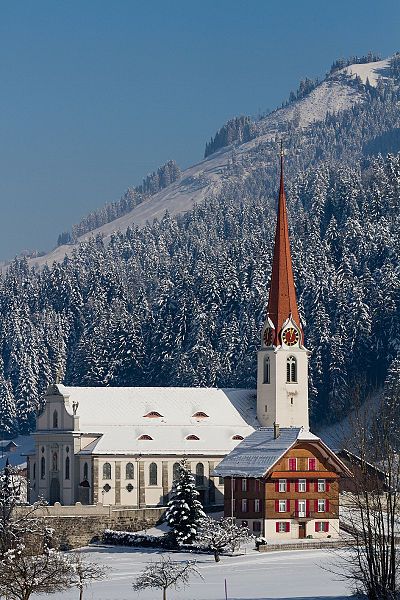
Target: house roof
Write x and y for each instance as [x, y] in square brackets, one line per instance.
[258, 453]
[120, 416]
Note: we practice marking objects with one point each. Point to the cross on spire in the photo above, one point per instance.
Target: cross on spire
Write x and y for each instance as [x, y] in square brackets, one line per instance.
[282, 301]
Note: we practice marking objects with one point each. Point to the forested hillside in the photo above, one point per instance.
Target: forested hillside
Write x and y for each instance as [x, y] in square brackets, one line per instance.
[181, 301]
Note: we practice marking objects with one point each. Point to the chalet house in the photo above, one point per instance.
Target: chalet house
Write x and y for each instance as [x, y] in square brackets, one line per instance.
[282, 480]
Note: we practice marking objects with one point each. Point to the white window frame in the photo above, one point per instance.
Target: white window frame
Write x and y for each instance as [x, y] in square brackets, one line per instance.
[257, 505]
[282, 527]
[244, 505]
[322, 485]
[302, 485]
[244, 484]
[321, 527]
[302, 508]
[282, 506]
[321, 505]
[282, 485]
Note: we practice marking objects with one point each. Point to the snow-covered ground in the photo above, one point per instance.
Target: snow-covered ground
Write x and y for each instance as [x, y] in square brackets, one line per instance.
[254, 576]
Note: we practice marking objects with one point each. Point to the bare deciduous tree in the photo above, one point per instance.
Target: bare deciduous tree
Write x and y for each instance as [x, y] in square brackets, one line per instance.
[166, 573]
[219, 536]
[84, 573]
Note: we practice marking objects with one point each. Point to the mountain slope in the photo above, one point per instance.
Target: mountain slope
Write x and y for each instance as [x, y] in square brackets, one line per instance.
[339, 92]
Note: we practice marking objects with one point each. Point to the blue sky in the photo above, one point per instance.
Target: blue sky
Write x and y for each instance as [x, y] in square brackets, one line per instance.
[94, 95]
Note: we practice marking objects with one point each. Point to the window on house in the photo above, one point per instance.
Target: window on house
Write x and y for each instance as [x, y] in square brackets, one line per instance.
[257, 485]
[321, 526]
[244, 505]
[42, 467]
[153, 414]
[199, 474]
[129, 471]
[256, 526]
[302, 486]
[67, 462]
[291, 369]
[153, 474]
[55, 419]
[321, 485]
[312, 464]
[86, 471]
[200, 415]
[321, 505]
[282, 505]
[106, 471]
[282, 485]
[257, 505]
[192, 437]
[267, 370]
[282, 527]
[292, 463]
[244, 485]
[175, 472]
[145, 437]
[237, 437]
[220, 481]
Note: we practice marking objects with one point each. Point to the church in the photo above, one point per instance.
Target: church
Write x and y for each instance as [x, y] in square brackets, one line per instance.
[122, 446]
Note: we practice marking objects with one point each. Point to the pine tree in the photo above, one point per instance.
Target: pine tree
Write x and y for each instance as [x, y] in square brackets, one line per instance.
[184, 510]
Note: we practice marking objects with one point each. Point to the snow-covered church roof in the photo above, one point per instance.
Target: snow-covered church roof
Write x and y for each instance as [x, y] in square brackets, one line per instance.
[151, 420]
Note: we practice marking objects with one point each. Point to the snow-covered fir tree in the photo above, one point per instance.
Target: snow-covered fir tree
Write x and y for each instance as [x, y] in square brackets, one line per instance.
[184, 510]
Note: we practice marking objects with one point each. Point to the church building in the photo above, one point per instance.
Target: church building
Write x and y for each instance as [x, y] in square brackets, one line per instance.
[283, 481]
[122, 446]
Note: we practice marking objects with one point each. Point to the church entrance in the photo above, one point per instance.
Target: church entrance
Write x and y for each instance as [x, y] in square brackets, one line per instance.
[302, 530]
[54, 490]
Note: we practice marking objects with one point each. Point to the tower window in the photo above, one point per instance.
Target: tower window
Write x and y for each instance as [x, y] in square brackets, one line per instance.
[85, 471]
[291, 370]
[267, 370]
[67, 463]
[42, 467]
[55, 419]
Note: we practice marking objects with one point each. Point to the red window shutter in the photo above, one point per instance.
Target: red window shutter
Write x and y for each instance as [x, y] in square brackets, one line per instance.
[287, 505]
[237, 483]
[328, 486]
[316, 485]
[296, 485]
[288, 485]
[276, 505]
[326, 526]
[277, 485]
[316, 505]
[307, 507]
[287, 527]
[316, 526]
[326, 505]
[296, 507]
[307, 486]
[277, 527]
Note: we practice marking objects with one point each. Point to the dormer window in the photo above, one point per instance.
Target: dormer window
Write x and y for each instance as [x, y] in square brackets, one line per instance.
[192, 437]
[200, 415]
[145, 437]
[152, 415]
[237, 437]
[55, 419]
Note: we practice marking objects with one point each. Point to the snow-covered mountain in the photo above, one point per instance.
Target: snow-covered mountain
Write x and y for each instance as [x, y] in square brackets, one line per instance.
[338, 92]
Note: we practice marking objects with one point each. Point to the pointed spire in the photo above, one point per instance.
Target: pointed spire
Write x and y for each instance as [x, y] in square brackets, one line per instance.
[282, 293]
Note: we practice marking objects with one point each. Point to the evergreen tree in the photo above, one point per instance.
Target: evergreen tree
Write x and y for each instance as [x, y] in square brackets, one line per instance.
[184, 510]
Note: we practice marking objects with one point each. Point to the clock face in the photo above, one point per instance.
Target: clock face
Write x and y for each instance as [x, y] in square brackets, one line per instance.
[290, 336]
[268, 336]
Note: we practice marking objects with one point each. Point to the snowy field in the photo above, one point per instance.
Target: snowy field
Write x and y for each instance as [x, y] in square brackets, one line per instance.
[255, 576]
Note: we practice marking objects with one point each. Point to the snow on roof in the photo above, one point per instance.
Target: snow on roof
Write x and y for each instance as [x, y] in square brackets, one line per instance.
[372, 71]
[259, 452]
[120, 415]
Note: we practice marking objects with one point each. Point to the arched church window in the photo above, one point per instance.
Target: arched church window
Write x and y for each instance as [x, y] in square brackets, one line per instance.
[267, 370]
[106, 471]
[129, 471]
[34, 470]
[153, 474]
[55, 419]
[67, 463]
[291, 370]
[86, 471]
[175, 472]
[42, 467]
[199, 474]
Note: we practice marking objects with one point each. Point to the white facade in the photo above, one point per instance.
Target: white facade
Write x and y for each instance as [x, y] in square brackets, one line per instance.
[120, 446]
[282, 383]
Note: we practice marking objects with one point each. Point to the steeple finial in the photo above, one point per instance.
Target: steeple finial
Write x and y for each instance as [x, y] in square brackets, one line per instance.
[282, 302]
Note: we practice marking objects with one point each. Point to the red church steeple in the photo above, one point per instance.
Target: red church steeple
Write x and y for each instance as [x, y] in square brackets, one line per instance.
[282, 294]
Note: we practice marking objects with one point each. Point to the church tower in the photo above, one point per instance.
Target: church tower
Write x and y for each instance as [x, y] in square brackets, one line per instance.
[282, 373]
